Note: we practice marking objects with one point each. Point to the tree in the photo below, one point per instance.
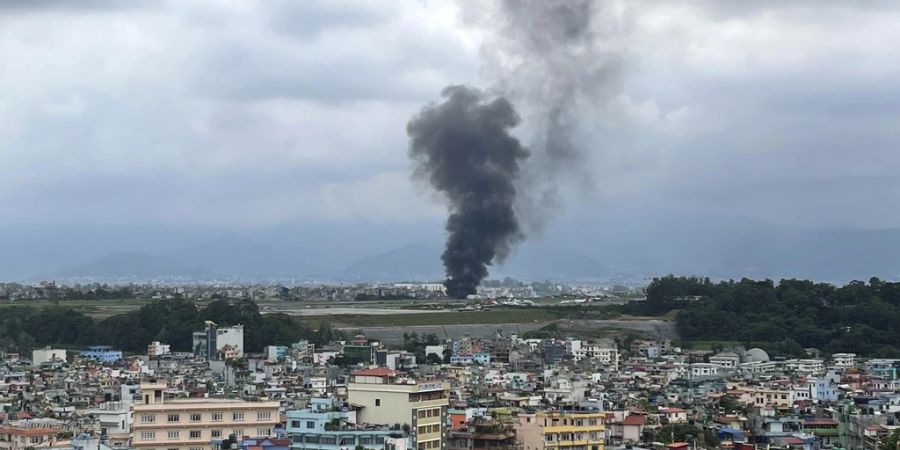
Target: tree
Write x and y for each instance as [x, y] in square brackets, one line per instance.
[891, 442]
[447, 355]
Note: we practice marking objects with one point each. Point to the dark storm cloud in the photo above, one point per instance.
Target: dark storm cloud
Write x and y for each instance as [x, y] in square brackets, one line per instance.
[463, 148]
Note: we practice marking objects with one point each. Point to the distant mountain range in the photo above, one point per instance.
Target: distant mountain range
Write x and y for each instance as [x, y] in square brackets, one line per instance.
[235, 257]
[412, 252]
[422, 261]
[137, 265]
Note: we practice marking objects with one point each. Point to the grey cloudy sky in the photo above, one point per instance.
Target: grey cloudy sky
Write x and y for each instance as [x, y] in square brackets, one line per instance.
[247, 114]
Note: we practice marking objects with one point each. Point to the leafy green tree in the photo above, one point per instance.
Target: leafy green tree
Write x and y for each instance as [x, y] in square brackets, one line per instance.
[892, 442]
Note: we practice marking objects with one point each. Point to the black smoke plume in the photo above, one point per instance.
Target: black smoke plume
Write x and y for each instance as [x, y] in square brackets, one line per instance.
[462, 146]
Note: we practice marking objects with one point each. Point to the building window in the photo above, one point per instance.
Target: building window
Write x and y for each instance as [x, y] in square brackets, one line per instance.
[148, 418]
[238, 432]
[310, 424]
[173, 434]
[377, 402]
[295, 424]
[216, 417]
[266, 415]
[196, 448]
[195, 434]
[174, 418]
[263, 431]
[238, 416]
[216, 433]
[148, 435]
[195, 417]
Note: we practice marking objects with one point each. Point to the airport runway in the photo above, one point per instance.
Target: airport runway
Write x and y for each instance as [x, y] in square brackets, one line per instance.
[393, 335]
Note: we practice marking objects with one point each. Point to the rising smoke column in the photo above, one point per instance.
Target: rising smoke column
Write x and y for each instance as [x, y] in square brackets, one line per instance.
[557, 61]
[462, 147]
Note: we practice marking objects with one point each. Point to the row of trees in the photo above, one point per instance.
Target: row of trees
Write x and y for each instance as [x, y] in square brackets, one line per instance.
[786, 316]
[169, 321]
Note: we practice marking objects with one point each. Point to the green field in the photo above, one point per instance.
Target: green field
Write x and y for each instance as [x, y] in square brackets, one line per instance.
[98, 309]
[511, 315]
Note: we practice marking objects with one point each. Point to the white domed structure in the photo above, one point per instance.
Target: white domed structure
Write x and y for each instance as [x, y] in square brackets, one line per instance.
[756, 354]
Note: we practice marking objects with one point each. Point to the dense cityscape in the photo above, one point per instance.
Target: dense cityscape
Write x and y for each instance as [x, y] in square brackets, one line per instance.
[501, 392]
[176, 373]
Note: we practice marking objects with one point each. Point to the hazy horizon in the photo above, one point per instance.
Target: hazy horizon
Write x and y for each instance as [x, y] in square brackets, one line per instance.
[756, 139]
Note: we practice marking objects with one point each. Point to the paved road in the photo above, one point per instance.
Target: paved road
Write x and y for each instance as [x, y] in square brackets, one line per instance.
[361, 311]
[395, 334]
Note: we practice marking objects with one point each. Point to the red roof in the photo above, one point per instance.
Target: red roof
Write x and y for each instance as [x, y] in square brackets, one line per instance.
[635, 419]
[671, 410]
[377, 372]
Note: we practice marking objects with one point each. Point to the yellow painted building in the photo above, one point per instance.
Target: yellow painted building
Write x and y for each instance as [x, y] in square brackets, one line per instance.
[386, 397]
[561, 431]
[190, 424]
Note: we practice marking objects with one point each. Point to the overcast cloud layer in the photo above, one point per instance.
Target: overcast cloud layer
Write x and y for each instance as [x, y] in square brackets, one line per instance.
[248, 114]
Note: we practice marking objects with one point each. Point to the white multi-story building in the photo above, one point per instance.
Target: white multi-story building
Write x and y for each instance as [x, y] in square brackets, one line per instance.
[115, 421]
[157, 349]
[758, 367]
[805, 366]
[231, 336]
[704, 370]
[726, 360]
[603, 353]
[46, 355]
[844, 359]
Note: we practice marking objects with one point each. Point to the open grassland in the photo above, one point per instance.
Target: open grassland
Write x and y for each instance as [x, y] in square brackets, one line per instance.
[98, 309]
[374, 314]
[523, 315]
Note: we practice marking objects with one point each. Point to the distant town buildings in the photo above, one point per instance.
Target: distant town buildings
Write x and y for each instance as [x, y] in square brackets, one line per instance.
[47, 355]
[219, 343]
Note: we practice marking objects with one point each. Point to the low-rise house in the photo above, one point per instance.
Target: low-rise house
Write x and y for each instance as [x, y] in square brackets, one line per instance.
[673, 415]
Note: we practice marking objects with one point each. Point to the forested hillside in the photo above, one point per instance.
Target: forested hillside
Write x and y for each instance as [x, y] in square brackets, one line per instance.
[789, 315]
[168, 321]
